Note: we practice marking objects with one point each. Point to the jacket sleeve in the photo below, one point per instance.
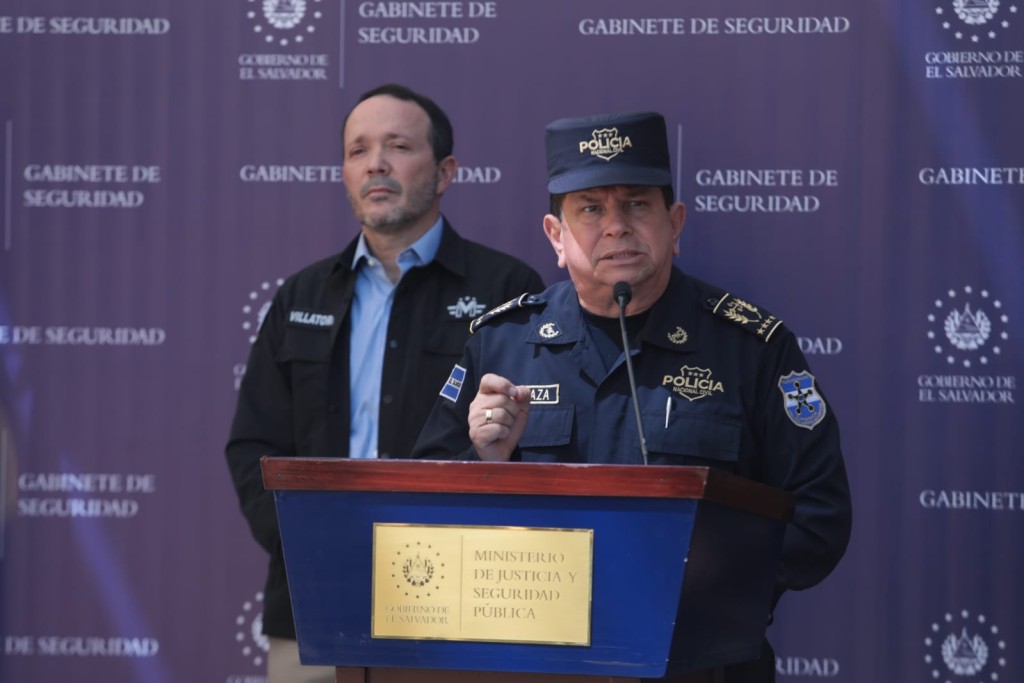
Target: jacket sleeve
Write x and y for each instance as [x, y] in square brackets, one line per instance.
[806, 461]
[262, 426]
[445, 435]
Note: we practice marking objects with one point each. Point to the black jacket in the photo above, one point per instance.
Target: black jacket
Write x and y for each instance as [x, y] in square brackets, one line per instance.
[294, 397]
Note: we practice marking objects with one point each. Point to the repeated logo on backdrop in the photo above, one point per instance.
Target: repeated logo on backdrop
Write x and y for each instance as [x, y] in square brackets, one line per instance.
[974, 20]
[253, 313]
[258, 305]
[965, 648]
[973, 30]
[968, 332]
[281, 33]
[284, 22]
[964, 330]
[253, 645]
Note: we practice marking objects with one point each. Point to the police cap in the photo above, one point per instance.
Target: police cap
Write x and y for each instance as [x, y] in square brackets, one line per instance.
[607, 149]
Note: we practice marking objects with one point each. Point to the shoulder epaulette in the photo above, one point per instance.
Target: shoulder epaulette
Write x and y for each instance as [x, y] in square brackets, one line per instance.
[755, 320]
[518, 302]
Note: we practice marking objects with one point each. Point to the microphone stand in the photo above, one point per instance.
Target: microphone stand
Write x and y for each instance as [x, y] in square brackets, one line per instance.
[623, 293]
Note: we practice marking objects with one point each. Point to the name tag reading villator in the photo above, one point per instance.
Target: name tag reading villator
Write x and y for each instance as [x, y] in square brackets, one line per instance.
[494, 584]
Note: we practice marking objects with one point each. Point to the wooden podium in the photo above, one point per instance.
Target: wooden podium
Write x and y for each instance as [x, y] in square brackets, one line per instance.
[683, 563]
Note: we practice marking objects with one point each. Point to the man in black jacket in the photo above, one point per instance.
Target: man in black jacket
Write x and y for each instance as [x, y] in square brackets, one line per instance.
[352, 352]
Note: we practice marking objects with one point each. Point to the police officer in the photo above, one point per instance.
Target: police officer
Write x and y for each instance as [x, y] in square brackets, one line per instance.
[353, 348]
[720, 381]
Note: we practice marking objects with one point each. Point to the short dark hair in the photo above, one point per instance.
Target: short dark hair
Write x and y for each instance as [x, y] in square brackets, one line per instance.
[442, 139]
[555, 205]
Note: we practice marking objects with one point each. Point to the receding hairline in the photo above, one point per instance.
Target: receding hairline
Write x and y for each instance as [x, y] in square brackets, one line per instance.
[440, 135]
[412, 103]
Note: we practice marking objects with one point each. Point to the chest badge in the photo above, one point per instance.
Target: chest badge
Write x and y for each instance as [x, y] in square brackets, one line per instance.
[803, 404]
[466, 307]
[693, 383]
[549, 330]
[678, 337]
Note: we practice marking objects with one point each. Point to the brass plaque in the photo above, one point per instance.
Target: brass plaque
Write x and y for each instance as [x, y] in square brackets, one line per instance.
[494, 584]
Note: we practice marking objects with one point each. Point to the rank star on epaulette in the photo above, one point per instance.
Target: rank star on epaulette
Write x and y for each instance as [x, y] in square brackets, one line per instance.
[746, 315]
[518, 302]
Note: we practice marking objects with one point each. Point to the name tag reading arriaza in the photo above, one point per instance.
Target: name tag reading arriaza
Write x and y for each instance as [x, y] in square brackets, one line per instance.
[494, 584]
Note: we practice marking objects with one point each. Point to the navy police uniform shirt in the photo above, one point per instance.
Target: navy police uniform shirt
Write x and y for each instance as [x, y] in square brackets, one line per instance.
[720, 383]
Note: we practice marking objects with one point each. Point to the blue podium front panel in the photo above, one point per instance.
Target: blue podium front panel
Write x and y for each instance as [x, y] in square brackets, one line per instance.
[640, 548]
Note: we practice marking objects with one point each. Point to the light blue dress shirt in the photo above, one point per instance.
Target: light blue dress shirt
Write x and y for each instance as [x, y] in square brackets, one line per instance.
[370, 313]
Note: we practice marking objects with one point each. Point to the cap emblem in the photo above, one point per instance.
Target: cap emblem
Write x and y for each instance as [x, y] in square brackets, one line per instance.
[605, 143]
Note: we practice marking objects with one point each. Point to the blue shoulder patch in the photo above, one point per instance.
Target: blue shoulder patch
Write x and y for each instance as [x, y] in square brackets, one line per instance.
[453, 385]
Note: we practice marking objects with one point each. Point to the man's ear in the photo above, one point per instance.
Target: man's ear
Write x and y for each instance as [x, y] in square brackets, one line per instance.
[677, 215]
[553, 230]
[446, 173]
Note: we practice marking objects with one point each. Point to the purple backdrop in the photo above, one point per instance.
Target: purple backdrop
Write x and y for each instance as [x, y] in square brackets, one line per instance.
[856, 167]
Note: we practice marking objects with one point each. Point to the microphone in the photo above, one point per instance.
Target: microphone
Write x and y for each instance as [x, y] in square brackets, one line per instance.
[623, 294]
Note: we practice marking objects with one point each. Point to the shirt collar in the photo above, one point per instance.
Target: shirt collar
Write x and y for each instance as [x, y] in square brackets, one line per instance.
[672, 322]
[420, 252]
